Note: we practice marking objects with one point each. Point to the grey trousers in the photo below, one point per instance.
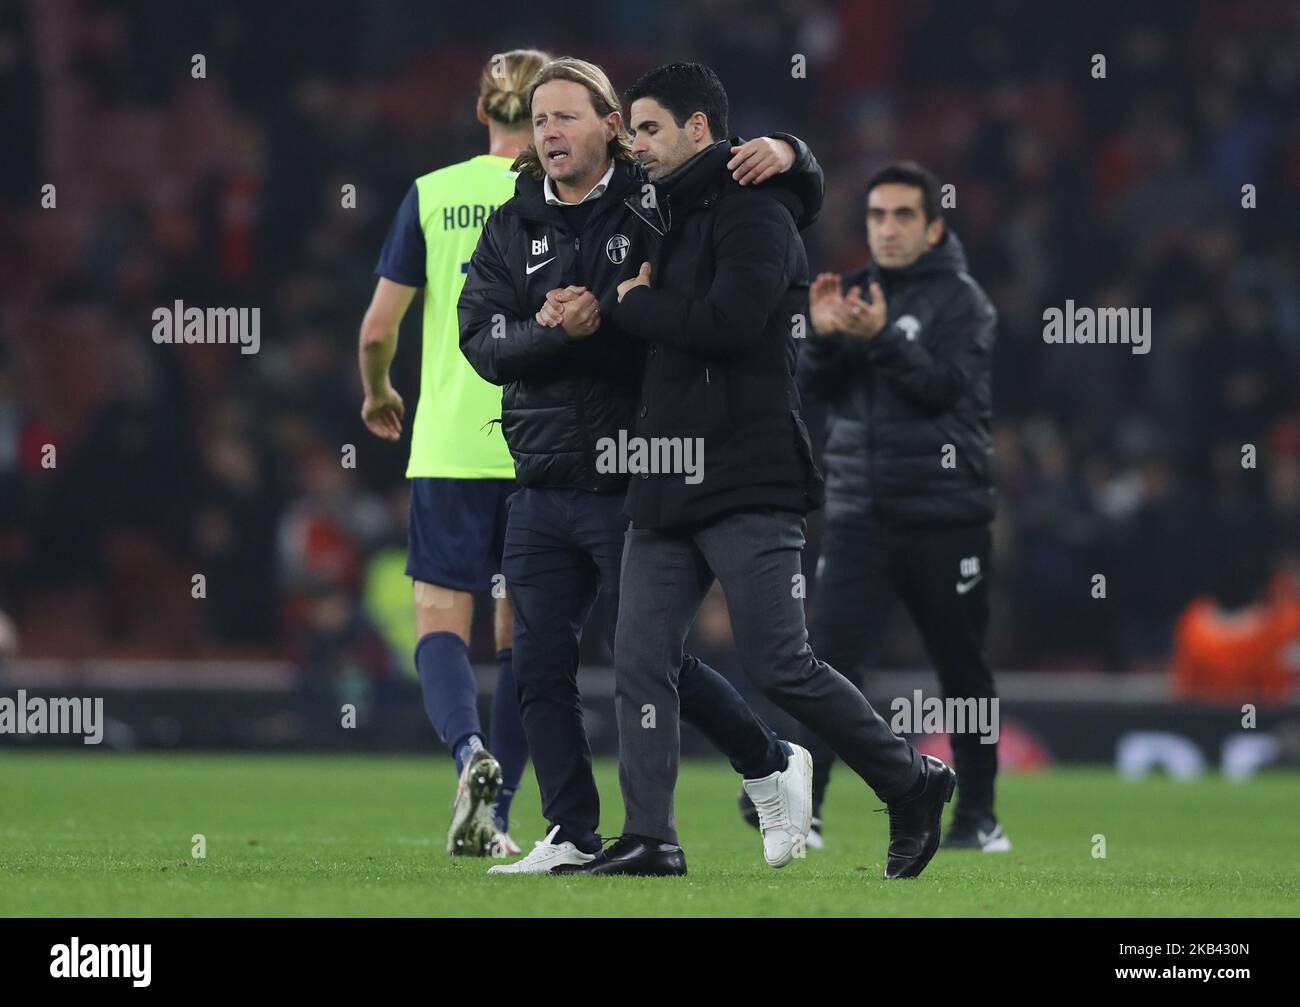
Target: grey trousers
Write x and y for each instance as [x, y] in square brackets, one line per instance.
[756, 556]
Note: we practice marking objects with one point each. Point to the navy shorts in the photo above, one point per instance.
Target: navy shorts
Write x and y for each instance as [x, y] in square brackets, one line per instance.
[456, 531]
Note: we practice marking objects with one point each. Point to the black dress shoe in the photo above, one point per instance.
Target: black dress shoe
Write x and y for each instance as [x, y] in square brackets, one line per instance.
[633, 855]
[914, 824]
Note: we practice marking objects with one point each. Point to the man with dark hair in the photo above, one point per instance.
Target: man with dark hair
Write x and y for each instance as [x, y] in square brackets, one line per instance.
[728, 281]
[915, 176]
[906, 376]
[684, 90]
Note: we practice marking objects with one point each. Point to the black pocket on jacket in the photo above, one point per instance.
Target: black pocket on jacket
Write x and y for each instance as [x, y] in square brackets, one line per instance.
[814, 483]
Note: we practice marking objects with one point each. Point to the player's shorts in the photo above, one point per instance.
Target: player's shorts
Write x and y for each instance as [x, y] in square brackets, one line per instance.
[456, 531]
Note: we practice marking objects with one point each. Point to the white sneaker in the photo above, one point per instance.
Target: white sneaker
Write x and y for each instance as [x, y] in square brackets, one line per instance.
[784, 804]
[503, 846]
[472, 828]
[996, 841]
[985, 834]
[545, 856]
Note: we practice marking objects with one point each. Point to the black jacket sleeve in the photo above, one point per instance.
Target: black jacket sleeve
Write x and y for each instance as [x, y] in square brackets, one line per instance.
[805, 179]
[957, 350]
[751, 244]
[500, 338]
[826, 366]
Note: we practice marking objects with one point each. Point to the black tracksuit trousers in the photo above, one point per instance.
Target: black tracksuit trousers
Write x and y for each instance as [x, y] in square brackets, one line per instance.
[940, 573]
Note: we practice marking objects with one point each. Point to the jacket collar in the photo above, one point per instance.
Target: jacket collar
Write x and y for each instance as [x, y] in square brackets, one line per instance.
[947, 256]
[529, 200]
[597, 190]
[703, 175]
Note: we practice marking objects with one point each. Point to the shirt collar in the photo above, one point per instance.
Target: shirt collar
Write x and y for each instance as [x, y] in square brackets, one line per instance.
[596, 192]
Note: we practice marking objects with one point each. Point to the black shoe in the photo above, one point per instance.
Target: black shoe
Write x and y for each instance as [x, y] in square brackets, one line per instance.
[633, 855]
[914, 824]
[976, 832]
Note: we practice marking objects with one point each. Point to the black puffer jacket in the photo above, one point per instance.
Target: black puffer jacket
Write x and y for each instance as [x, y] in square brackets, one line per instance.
[562, 396]
[897, 401]
[718, 320]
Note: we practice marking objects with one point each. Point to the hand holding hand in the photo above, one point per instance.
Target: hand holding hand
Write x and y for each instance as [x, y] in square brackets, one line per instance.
[551, 313]
[581, 315]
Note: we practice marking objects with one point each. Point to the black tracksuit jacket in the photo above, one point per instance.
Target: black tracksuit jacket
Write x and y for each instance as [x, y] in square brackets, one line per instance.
[561, 396]
[719, 318]
[898, 401]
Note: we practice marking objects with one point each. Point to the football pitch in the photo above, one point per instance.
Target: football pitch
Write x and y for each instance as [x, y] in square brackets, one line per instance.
[113, 834]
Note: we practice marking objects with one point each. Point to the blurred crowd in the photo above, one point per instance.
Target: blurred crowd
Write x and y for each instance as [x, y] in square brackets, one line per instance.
[1174, 474]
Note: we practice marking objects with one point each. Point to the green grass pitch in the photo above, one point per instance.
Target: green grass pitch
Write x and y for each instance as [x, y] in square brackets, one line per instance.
[109, 834]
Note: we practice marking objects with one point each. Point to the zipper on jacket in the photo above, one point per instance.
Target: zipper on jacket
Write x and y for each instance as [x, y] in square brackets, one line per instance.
[706, 375]
[871, 448]
[580, 386]
[871, 444]
[589, 452]
[631, 202]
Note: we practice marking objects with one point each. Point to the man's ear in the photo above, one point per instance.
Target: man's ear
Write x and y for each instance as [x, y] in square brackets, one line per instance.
[614, 121]
[934, 232]
[699, 123]
[481, 112]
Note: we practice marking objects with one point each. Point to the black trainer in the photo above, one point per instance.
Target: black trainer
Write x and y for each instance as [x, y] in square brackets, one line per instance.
[976, 832]
[914, 824]
[639, 856]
